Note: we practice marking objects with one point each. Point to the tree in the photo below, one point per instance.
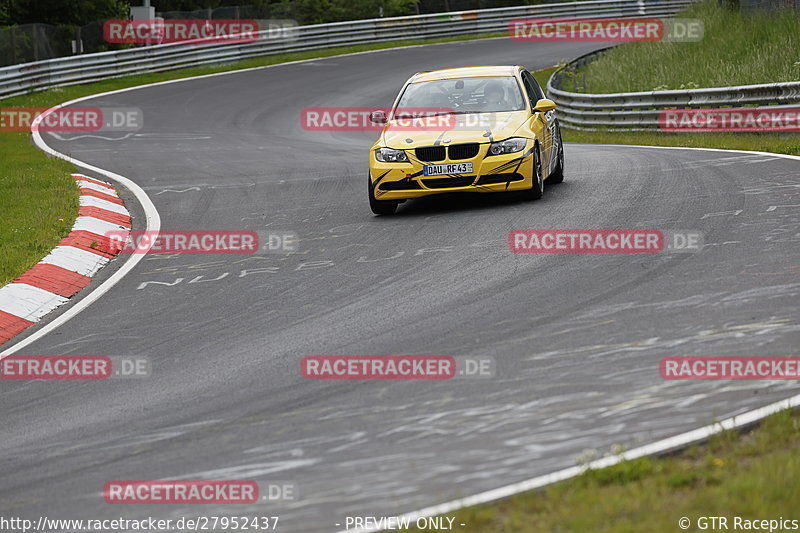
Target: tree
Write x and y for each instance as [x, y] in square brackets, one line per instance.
[65, 12]
[5, 19]
[319, 11]
[194, 5]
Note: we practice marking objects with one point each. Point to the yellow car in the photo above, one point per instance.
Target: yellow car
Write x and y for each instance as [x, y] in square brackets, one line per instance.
[469, 129]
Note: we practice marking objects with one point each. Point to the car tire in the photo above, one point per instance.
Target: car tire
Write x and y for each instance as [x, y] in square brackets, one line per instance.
[558, 173]
[537, 187]
[380, 207]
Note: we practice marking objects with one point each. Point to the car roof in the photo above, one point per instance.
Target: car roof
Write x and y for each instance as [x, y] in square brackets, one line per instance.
[466, 72]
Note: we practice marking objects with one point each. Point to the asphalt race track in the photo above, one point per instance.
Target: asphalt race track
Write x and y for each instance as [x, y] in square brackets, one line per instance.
[577, 337]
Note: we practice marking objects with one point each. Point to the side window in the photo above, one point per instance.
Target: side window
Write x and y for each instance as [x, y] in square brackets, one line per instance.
[529, 90]
[534, 91]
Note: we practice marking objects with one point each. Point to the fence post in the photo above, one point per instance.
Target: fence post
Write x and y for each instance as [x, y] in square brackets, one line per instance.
[35, 39]
[13, 45]
[78, 40]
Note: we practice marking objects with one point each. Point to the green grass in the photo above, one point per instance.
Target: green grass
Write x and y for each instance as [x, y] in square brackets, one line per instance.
[737, 50]
[38, 204]
[61, 94]
[782, 143]
[753, 475]
[38, 198]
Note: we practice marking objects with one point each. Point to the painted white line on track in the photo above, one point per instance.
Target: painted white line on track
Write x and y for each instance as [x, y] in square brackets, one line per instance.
[658, 447]
[152, 218]
[153, 223]
[752, 152]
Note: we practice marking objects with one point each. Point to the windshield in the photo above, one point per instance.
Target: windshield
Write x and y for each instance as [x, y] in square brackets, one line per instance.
[465, 95]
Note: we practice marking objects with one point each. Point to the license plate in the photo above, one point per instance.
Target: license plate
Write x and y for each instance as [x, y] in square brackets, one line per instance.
[449, 168]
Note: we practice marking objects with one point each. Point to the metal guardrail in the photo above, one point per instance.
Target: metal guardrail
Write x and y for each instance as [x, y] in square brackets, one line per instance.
[641, 110]
[27, 77]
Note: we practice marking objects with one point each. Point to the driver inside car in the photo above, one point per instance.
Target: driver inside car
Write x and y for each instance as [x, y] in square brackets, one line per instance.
[494, 97]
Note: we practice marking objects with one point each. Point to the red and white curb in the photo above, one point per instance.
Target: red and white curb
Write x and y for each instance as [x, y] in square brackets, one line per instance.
[70, 266]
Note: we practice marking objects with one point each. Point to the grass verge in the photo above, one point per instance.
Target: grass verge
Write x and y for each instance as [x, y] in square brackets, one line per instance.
[751, 475]
[782, 143]
[738, 49]
[38, 202]
[38, 198]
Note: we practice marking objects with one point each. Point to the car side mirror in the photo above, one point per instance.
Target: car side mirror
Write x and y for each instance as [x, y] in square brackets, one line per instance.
[378, 117]
[544, 105]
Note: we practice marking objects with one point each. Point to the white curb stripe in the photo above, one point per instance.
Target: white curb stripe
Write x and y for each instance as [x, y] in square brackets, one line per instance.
[91, 201]
[98, 188]
[28, 302]
[153, 224]
[97, 226]
[75, 260]
[83, 178]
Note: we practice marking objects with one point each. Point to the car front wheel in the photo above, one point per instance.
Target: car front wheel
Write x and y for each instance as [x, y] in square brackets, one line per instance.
[537, 187]
[380, 207]
[558, 173]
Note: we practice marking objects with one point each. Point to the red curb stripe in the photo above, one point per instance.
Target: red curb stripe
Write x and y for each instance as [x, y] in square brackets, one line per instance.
[10, 325]
[55, 279]
[92, 242]
[101, 195]
[58, 280]
[104, 214]
[78, 177]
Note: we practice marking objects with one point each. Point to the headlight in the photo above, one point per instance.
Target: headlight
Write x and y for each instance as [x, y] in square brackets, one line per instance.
[390, 155]
[509, 146]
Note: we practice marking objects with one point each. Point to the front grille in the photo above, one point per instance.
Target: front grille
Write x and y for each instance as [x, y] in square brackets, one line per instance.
[499, 178]
[443, 183]
[463, 151]
[430, 153]
[402, 185]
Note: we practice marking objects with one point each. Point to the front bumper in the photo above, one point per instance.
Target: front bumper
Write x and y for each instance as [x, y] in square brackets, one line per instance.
[496, 173]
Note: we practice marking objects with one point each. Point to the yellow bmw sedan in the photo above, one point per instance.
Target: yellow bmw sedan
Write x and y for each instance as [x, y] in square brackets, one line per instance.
[471, 129]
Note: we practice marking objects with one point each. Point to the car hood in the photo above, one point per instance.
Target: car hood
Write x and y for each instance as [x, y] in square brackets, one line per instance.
[453, 129]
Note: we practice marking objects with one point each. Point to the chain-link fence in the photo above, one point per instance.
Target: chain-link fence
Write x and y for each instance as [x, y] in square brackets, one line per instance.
[34, 42]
